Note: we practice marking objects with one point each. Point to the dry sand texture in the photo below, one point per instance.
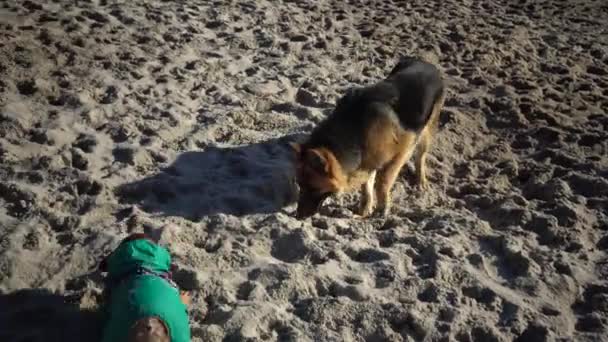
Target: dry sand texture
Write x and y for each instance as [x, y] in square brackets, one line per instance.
[177, 114]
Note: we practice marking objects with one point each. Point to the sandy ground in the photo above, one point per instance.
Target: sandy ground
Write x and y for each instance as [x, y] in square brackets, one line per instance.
[175, 115]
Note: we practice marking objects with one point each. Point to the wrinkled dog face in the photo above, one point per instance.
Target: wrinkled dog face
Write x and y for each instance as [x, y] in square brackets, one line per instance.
[314, 178]
[149, 329]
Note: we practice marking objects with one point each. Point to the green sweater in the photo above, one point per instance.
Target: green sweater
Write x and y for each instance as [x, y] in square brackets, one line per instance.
[145, 295]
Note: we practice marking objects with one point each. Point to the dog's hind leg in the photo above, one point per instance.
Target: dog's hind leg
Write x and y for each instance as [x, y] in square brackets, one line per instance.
[366, 204]
[422, 149]
[388, 175]
[424, 144]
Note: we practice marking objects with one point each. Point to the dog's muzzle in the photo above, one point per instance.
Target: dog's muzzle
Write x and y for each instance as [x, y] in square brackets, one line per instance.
[309, 204]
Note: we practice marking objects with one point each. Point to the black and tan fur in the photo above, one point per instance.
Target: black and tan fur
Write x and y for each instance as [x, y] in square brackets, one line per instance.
[371, 134]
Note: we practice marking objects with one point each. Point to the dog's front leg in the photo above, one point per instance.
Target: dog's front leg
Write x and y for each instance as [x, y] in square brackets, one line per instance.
[367, 201]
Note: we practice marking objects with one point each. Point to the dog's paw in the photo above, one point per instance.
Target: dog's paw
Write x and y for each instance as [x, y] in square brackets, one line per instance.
[381, 212]
[422, 183]
[423, 186]
[365, 211]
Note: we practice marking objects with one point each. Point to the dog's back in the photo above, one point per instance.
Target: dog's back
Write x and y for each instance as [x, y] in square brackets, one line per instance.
[406, 96]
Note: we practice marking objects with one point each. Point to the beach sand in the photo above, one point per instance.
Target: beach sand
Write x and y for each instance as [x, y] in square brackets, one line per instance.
[174, 117]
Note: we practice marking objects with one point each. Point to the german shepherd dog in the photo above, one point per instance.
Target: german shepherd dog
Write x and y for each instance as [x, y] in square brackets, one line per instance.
[372, 132]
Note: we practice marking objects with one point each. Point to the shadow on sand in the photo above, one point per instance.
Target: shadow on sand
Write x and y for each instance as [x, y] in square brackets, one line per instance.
[250, 179]
[40, 315]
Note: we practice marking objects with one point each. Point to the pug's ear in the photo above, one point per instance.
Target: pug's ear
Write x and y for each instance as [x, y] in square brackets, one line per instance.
[315, 160]
[103, 265]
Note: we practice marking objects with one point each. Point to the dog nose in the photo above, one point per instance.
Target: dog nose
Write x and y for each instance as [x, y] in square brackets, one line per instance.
[302, 212]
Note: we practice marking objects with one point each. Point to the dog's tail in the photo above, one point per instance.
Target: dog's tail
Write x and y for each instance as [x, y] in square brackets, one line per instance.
[432, 58]
[433, 124]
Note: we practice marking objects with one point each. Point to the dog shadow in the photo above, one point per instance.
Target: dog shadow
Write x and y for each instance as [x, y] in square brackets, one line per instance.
[250, 179]
[40, 315]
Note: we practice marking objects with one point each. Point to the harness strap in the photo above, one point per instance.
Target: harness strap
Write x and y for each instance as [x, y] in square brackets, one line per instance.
[116, 280]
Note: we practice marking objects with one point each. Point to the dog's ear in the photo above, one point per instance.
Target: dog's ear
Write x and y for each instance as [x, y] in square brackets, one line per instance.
[297, 148]
[316, 160]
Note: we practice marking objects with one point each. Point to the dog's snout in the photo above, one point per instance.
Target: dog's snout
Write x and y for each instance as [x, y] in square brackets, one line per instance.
[305, 209]
[309, 204]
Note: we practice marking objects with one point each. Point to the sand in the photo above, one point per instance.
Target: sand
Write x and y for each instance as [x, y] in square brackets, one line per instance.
[175, 117]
